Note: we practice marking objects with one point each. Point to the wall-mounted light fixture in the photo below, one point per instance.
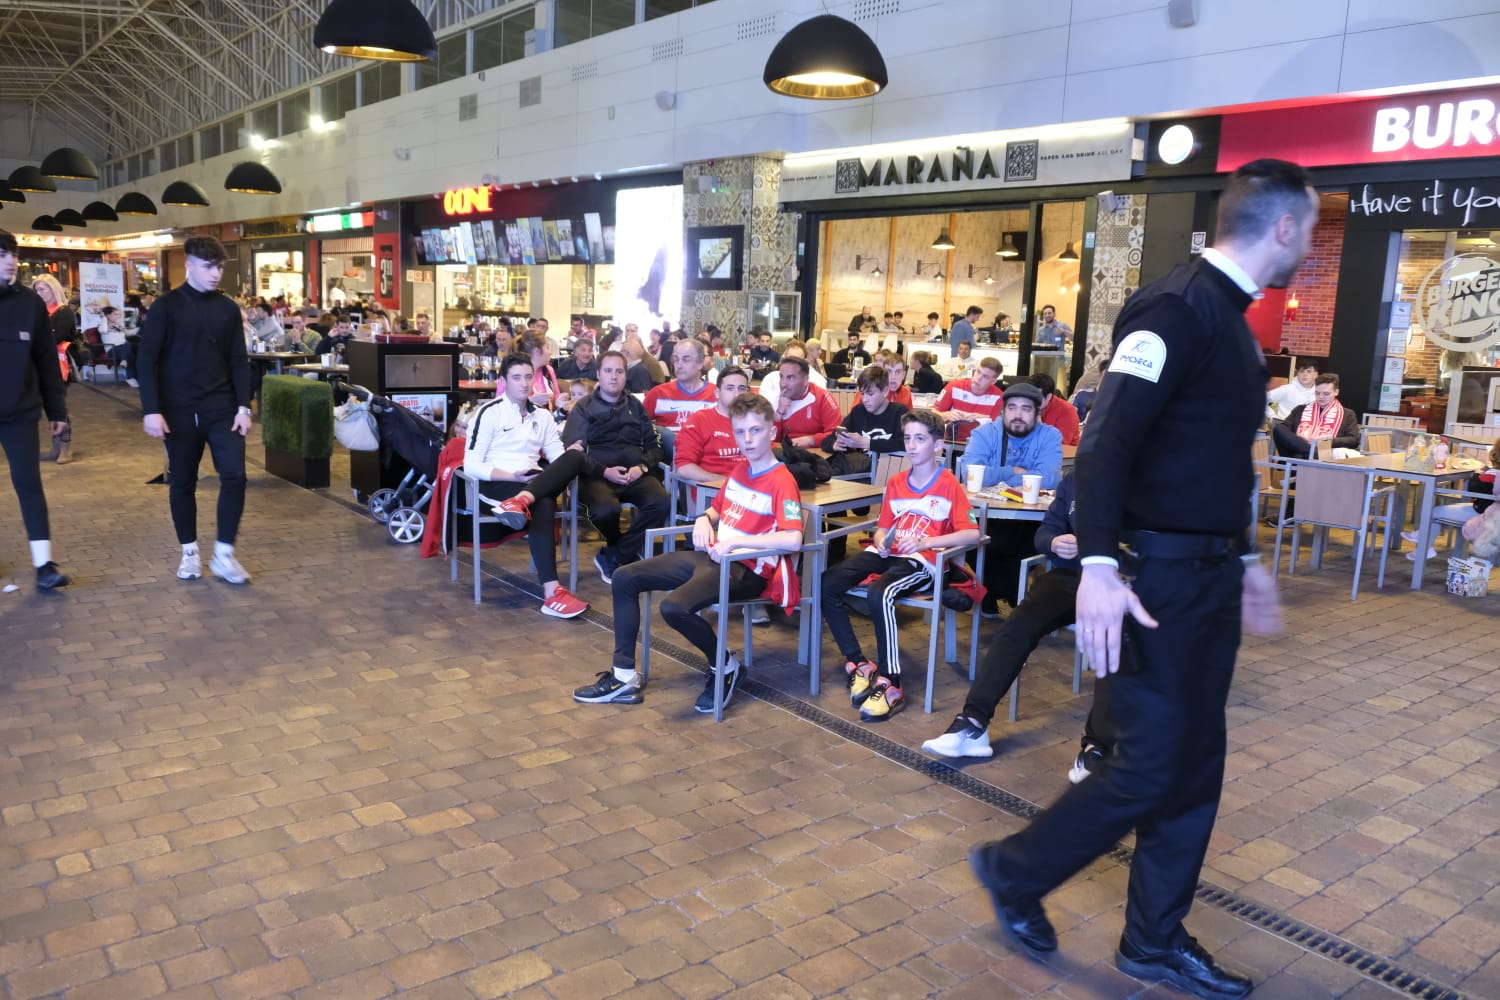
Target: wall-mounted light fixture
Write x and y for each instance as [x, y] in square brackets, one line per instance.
[1289, 315]
[859, 263]
[989, 273]
[937, 265]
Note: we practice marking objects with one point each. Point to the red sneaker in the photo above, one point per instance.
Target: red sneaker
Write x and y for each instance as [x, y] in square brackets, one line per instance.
[563, 605]
[513, 513]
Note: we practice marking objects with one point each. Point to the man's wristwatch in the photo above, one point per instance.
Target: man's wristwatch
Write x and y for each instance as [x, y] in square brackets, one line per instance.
[245, 411]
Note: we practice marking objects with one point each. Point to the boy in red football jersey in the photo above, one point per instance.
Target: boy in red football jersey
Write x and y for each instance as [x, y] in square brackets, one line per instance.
[924, 509]
[759, 508]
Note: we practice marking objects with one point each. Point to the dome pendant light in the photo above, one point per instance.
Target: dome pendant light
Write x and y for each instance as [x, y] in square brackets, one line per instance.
[944, 241]
[69, 217]
[31, 179]
[388, 30]
[98, 211]
[10, 194]
[135, 203]
[252, 178]
[826, 58]
[185, 194]
[45, 224]
[68, 163]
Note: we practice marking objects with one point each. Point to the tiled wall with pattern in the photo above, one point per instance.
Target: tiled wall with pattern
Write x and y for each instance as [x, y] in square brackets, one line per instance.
[1117, 272]
[740, 191]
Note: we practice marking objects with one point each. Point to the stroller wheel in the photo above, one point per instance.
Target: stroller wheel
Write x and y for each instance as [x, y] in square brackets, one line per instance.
[381, 503]
[406, 524]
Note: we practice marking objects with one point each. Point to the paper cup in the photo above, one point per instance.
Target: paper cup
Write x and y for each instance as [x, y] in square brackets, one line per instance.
[974, 478]
[1031, 489]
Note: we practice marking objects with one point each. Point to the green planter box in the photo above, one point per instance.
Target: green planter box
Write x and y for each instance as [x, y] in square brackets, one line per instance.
[296, 421]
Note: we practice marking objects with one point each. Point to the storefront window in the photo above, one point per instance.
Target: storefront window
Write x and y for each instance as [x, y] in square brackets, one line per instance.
[577, 20]
[280, 273]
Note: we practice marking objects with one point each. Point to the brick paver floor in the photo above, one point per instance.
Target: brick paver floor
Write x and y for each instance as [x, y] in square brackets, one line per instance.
[347, 780]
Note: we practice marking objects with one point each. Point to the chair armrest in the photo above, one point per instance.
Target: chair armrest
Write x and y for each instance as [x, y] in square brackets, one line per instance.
[665, 534]
[1031, 562]
[844, 532]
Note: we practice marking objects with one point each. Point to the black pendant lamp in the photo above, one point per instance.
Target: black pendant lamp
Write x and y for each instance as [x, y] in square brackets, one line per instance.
[45, 224]
[10, 194]
[31, 179]
[1069, 254]
[1008, 248]
[69, 217]
[185, 194]
[388, 30]
[252, 178]
[944, 241]
[98, 211]
[135, 203]
[70, 164]
[825, 58]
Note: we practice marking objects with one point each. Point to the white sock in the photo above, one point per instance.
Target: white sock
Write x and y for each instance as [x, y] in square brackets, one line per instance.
[627, 675]
[41, 553]
[223, 549]
[731, 664]
[190, 549]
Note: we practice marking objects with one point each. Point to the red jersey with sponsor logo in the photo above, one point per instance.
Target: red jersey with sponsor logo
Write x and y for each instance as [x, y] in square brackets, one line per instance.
[940, 507]
[959, 396]
[758, 504]
[901, 394]
[670, 405]
[707, 441]
[815, 415]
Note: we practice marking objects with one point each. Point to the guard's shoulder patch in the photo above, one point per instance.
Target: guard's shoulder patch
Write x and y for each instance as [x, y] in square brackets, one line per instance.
[1142, 354]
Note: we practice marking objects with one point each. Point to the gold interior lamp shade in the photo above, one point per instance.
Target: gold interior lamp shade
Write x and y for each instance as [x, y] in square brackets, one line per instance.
[69, 217]
[10, 194]
[33, 180]
[826, 58]
[68, 163]
[251, 177]
[135, 203]
[387, 30]
[98, 211]
[45, 224]
[185, 194]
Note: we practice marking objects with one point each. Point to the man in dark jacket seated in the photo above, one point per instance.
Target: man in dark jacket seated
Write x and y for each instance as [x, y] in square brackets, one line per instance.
[1324, 419]
[620, 444]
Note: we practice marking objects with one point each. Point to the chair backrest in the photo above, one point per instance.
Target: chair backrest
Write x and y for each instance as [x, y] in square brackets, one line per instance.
[1323, 450]
[1465, 449]
[1479, 432]
[1333, 495]
[1389, 420]
[1378, 443]
[888, 465]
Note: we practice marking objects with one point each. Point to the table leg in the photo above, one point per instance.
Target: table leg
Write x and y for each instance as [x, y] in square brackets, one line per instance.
[1424, 526]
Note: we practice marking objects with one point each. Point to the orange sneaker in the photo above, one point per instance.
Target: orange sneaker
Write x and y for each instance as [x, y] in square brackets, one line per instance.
[860, 676]
[563, 604]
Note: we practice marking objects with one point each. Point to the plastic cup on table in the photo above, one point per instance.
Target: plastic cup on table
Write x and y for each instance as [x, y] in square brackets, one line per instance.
[974, 478]
[1031, 489]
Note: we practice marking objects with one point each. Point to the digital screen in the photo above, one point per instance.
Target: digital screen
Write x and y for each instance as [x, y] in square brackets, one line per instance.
[648, 256]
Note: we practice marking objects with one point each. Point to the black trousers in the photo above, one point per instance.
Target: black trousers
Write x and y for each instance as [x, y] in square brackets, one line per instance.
[541, 533]
[1166, 774]
[188, 434]
[1010, 542]
[603, 499]
[23, 452]
[899, 577]
[1049, 606]
[693, 579]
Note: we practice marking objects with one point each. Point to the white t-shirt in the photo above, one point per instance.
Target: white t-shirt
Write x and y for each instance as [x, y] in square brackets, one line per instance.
[770, 386]
[1287, 398]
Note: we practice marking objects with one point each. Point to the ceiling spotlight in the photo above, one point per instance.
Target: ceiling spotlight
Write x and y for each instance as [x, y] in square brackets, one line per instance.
[98, 211]
[826, 58]
[33, 180]
[135, 203]
[69, 164]
[251, 177]
[944, 241]
[185, 194]
[387, 30]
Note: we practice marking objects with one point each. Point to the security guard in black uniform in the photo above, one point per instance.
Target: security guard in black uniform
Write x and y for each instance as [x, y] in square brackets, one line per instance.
[1163, 519]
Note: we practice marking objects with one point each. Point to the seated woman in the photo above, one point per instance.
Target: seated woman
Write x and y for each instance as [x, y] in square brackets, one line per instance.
[1457, 514]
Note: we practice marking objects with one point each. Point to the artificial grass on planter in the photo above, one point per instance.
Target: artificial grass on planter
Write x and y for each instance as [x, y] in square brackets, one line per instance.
[296, 416]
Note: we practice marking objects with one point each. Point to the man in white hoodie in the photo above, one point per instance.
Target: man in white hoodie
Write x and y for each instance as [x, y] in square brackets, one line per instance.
[508, 438]
[1283, 399]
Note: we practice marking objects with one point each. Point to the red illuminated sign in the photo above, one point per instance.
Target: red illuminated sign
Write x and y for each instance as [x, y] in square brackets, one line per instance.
[466, 201]
[1439, 125]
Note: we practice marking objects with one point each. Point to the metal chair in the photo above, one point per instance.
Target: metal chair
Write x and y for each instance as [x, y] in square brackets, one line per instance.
[931, 603]
[1336, 496]
[470, 505]
[668, 537]
[1080, 659]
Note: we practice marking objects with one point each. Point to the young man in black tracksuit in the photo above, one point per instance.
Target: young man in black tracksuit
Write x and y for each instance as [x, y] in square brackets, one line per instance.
[195, 392]
[30, 382]
[622, 450]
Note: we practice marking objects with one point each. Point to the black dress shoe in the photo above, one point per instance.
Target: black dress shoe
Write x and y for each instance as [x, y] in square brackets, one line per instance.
[1189, 967]
[1023, 920]
[49, 577]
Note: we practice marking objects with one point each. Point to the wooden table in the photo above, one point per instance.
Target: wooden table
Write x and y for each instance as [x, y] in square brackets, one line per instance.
[323, 372]
[276, 360]
[992, 507]
[1393, 466]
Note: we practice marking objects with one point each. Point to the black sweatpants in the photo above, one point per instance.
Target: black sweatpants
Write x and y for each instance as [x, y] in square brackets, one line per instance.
[1049, 606]
[188, 434]
[541, 532]
[23, 452]
[1164, 779]
[1010, 542]
[693, 579]
[899, 576]
[603, 500]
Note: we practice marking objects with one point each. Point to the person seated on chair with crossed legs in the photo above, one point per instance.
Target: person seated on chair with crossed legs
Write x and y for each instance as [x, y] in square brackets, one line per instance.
[925, 509]
[759, 509]
[508, 437]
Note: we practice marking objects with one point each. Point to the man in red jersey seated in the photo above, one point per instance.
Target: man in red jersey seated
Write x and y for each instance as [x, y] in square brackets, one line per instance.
[670, 404]
[966, 401]
[805, 414]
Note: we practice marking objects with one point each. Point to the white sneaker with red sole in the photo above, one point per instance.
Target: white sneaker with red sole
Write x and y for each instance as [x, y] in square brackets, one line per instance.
[563, 604]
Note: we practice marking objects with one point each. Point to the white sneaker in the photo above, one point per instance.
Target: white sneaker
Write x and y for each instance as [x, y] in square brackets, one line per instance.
[760, 616]
[227, 568]
[1412, 556]
[191, 567]
[963, 739]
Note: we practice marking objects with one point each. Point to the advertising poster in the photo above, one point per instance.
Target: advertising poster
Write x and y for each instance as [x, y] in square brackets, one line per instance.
[565, 238]
[648, 256]
[538, 240]
[99, 285]
[594, 229]
[388, 270]
[515, 244]
[430, 406]
[554, 250]
[481, 252]
[491, 247]
[528, 242]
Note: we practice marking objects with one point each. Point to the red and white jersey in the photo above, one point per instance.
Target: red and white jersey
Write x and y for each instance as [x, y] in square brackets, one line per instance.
[758, 504]
[815, 414]
[941, 508]
[959, 396]
[707, 441]
[670, 405]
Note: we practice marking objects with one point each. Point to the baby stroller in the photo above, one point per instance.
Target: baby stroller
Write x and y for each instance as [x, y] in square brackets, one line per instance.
[416, 442]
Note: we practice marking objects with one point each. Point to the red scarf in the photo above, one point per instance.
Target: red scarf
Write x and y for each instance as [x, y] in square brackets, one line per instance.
[1318, 424]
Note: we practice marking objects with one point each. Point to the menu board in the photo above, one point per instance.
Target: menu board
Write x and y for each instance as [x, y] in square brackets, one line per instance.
[520, 241]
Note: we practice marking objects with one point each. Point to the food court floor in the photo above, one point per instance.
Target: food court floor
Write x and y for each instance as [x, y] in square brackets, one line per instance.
[346, 780]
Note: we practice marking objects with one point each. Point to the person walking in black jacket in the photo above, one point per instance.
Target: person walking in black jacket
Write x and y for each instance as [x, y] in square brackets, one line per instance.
[620, 443]
[30, 382]
[195, 391]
